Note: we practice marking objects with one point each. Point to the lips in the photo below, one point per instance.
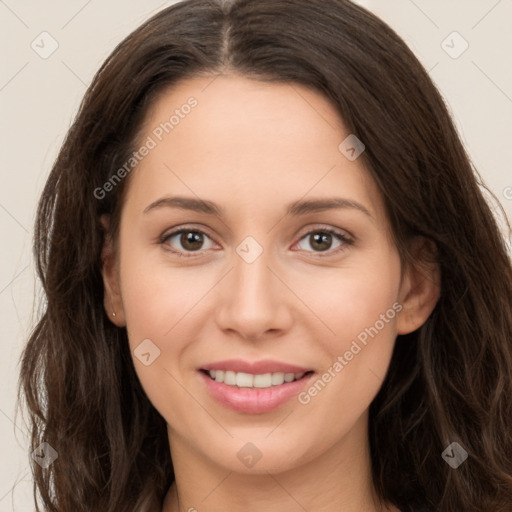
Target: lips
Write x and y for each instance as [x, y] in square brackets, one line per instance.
[253, 387]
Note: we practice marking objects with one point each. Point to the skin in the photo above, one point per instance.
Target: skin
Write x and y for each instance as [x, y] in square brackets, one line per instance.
[253, 148]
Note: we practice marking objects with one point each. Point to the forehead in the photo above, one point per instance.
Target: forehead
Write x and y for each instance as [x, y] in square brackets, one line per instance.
[238, 140]
[281, 116]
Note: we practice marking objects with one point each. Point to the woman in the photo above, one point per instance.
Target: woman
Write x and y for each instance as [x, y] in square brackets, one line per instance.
[272, 280]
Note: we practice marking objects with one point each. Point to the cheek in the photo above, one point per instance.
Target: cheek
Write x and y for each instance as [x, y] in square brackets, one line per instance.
[351, 300]
[158, 299]
[162, 304]
[158, 303]
[361, 309]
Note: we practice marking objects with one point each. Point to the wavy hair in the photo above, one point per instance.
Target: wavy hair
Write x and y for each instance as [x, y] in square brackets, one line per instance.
[450, 380]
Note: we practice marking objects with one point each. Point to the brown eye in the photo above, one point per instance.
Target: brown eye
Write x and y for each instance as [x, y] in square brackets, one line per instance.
[322, 240]
[191, 240]
[186, 240]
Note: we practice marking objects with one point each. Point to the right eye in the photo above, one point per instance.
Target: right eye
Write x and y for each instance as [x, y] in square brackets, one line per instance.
[191, 240]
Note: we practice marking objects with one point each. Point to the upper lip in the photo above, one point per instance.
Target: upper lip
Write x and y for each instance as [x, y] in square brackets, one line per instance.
[255, 367]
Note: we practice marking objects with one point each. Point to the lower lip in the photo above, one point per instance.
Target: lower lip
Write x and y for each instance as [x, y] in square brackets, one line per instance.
[254, 400]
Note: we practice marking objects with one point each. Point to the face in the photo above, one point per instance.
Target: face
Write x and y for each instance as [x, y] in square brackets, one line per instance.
[258, 284]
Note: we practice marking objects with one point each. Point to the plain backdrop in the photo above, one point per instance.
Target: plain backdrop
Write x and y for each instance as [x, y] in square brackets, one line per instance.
[40, 93]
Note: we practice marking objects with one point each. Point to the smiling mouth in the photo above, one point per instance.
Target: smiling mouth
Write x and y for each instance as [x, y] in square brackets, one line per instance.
[249, 380]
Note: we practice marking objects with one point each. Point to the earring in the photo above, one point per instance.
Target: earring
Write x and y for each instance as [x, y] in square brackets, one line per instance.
[113, 314]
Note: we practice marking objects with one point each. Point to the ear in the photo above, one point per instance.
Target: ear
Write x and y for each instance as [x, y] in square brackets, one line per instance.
[421, 286]
[110, 272]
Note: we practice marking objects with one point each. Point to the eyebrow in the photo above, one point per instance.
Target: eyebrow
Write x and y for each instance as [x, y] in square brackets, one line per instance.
[297, 208]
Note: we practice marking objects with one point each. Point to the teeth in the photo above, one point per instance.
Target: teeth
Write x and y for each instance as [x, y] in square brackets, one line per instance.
[229, 378]
[263, 381]
[277, 378]
[244, 380]
[248, 380]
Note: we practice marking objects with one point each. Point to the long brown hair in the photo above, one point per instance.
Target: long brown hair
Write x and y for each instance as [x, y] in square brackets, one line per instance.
[451, 380]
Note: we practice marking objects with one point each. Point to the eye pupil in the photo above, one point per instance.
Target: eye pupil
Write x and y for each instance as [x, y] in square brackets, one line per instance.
[321, 239]
[191, 240]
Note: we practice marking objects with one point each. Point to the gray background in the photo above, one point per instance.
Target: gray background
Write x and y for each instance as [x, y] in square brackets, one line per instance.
[40, 93]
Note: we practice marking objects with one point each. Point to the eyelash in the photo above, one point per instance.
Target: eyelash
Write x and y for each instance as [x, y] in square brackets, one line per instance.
[346, 241]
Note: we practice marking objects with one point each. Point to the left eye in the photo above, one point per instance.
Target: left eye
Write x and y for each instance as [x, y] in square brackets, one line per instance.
[320, 238]
[192, 240]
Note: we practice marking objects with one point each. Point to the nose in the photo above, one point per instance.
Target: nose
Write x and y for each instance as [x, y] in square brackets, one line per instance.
[254, 303]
